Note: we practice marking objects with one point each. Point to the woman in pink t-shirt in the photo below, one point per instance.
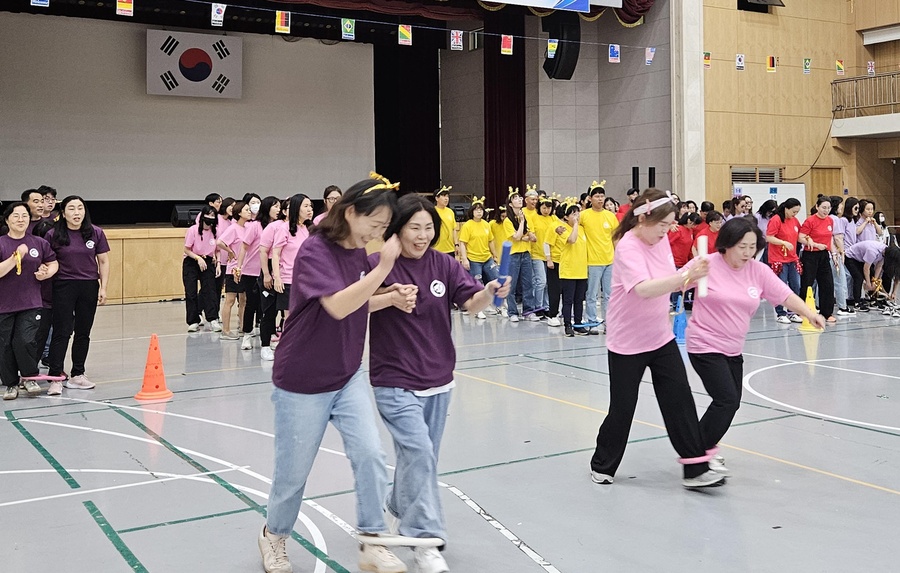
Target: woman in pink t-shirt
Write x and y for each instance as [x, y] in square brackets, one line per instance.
[330, 196]
[718, 325]
[268, 295]
[285, 246]
[639, 336]
[248, 267]
[201, 265]
[229, 245]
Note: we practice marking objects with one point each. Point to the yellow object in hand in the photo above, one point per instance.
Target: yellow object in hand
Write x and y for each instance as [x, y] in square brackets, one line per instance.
[18, 256]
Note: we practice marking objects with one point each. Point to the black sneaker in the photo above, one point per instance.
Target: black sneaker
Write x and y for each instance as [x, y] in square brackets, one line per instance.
[570, 331]
[582, 330]
[862, 308]
[593, 332]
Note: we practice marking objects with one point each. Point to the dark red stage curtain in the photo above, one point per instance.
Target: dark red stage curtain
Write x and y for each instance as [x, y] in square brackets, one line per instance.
[407, 116]
[504, 108]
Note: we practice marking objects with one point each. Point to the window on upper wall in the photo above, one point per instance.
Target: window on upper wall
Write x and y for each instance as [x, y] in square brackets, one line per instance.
[757, 174]
[761, 6]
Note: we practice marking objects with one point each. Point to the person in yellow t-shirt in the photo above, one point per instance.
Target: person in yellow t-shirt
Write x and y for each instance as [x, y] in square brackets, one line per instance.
[516, 231]
[552, 252]
[538, 266]
[476, 247]
[598, 225]
[497, 230]
[447, 240]
[573, 270]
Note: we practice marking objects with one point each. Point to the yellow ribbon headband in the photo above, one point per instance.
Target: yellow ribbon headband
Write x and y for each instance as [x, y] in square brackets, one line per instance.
[512, 192]
[595, 185]
[478, 201]
[384, 183]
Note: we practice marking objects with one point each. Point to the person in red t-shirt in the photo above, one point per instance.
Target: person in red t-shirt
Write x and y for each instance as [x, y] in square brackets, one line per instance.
[714, 222]
[782, 235]
[681, 239]
[626, 205]
[816, 238]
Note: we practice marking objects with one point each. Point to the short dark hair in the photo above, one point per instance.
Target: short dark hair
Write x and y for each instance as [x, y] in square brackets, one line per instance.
[47, 190]
[707, 206]
[364, 199]
[12, 206]
[733, 232]
[767, 209]
[597, 191]
[470, 214]
[690, 218]
[331, 189]
[226, 203]
[212, 198]
[26, 194]
[407, 206]
[713, 216]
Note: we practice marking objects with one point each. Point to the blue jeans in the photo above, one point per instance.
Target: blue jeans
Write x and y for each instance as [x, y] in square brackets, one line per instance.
[520, 274]
[791, 278]
[484, 272]
[539, 280]
[417, 425]
[300, 422]
[840, 285]
[599, 278]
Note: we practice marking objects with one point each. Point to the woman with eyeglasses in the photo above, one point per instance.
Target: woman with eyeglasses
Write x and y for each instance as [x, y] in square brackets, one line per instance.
[331, 196]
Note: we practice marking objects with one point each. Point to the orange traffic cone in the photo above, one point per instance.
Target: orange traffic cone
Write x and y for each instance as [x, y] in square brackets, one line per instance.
[154, 387]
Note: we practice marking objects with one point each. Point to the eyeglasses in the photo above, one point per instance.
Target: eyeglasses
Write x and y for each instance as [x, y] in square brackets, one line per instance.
[331, 199]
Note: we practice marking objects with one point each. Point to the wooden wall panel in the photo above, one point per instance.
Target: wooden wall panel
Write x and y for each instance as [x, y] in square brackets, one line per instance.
[152, 269]
[114, 285]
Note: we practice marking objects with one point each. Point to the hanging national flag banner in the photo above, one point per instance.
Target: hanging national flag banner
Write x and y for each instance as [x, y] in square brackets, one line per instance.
[506, 45]
[404, 35]
[870, 68]
[614, 53]
[40, 3]
[551, 48]
[807, 66]
[218, 14]
[648, 55]
[771, 64]
[282, 22]
[195, 65]
[456, 37]
[707, 60]
[839, 67]
[124, 8]
[348, 29]
[739, 62]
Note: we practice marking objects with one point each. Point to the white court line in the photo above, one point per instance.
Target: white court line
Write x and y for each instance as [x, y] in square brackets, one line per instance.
[750, 375]
[173, 477]
[811, 362]
[350, 530]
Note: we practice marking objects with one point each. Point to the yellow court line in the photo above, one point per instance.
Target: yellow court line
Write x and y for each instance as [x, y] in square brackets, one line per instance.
[736, 448]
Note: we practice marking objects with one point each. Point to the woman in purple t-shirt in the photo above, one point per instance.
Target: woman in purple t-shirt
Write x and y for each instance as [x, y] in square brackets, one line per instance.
[411, 361]
[639, 336]
[719, 322]
[315, 385]
[80, 285]
[25, 261]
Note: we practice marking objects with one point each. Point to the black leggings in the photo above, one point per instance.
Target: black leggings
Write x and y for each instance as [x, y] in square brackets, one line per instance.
[573, 292]
[673, 393]
[251, 305]
[856, 269]
[74, 307]
[18, 345]
[554, 290]
[267, 312]
[721, 376]
[817, 268]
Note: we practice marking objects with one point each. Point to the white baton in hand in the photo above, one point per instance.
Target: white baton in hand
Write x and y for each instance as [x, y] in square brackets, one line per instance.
[702, 250]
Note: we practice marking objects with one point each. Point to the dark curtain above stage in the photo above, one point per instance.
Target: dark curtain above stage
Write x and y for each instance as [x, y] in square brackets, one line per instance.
[504, 109]
[407, 108]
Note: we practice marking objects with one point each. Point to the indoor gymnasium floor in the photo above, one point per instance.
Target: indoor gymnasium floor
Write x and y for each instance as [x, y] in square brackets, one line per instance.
[95, 481]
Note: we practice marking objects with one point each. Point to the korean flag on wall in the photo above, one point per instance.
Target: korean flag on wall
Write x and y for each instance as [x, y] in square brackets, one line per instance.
[195, 65]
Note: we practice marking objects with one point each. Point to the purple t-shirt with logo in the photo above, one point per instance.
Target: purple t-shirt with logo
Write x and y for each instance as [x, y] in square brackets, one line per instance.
[317, 353]
[20, 292]
[78, 259]
[415, 351]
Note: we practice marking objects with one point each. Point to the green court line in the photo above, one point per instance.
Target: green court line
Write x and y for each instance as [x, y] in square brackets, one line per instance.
[132, 560]
[43, 451]
[186, 520]
[306, 544]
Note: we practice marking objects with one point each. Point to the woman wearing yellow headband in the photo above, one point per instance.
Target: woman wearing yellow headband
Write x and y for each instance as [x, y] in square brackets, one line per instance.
[476, 246]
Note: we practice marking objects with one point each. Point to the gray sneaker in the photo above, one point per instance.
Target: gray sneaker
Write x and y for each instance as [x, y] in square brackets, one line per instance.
[79, 382]
[717, 464]
[274, 553]
[707, 479]
[12, 392]
[32, 387]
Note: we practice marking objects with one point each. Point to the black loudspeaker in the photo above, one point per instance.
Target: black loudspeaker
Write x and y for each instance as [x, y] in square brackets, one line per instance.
[651, 174]
[635, 177]
[185, 215]
[566, 28]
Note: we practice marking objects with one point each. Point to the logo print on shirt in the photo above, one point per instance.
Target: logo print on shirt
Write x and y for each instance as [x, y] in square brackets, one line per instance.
[438, 288]
[33, 252]
[212, 241]
[89, 244]
[753, 292]
[829, 227]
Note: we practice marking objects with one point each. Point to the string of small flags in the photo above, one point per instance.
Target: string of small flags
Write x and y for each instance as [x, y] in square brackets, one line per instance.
[772, 62]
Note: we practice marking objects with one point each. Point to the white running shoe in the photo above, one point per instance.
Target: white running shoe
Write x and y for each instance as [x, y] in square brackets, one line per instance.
[215, 326]
[717, 464]
[554, 322]
[267, 353]
[79, 382]
[601, 479]
[55, 388]
[247, 342]
[274, 553]
[783, 319]
[796, 318]
[707, 479]
[514, 318]
[430, 560]
[480, 315]
[194, 327]
[377, 559]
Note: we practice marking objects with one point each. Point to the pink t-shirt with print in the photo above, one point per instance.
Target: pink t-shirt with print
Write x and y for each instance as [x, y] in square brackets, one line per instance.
[636, 324]
[233, 237]
[252, 233]
[204, 246]
[720, 320]
[290, 245]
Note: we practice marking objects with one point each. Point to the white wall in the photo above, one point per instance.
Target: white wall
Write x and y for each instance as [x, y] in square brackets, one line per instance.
[74, 114]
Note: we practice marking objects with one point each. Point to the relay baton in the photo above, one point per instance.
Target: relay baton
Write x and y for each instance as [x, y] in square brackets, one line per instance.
[504, 269]
[702, 250]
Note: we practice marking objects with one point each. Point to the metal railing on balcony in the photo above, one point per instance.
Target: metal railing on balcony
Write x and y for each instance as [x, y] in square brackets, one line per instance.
[866, 95]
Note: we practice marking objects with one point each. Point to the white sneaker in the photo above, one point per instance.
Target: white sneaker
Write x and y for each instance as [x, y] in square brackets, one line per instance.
[194, 327]
[430, 560]
[229, 336]
[784, 319]
[514, 318]
[215, 326]
[254, 332]
[79, 382]
[602, 479]
[491, 310]
[503, 312]
[533, 318]
[480, 315]
[55, 388]
[274, 552]
[267, 353]
[377, 559]
[32, 387]
[796, 318]
[554, 322]
[707, 479]
[247, 342]
[717, 464]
